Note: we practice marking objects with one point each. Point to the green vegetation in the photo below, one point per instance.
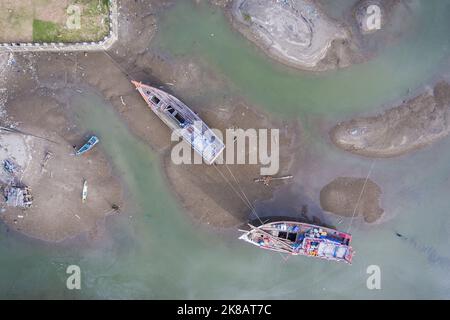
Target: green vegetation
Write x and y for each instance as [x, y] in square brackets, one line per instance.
[44, 31]
[95, 7]
[94, 24]
[247, 17]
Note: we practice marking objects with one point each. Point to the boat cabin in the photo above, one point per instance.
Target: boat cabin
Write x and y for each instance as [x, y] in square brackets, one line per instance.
[176, 115]
[302, 239]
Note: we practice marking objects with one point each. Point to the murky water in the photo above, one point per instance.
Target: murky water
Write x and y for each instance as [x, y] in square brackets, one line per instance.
[153, 251]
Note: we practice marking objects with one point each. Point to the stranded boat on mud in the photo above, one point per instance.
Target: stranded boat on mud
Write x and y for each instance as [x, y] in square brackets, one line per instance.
[304, 239]
[87, 146]
[177, 116]
[84, 192]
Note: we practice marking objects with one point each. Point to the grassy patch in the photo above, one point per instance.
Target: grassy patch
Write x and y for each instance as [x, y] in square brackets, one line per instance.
[94, 25]
[97, 7]
[45, 31]
[46, 21]
[247, 17]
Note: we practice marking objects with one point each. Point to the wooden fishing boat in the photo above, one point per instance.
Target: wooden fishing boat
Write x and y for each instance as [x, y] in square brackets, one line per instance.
[84, 193]
[88, 145]
[180, 118]
[297, 238]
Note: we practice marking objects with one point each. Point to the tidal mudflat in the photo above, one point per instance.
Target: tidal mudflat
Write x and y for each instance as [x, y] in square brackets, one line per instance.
[190, 49]
[416, 123]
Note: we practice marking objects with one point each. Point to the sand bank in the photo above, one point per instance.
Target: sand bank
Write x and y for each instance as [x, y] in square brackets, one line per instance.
[302, 34]
[347, 196]
[200, 189]
[295, 32]
[46, 163]
[414, 124]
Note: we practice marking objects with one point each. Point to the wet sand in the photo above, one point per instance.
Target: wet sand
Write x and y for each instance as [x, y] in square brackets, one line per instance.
[352, 197]
[315, 41]
[302, 37]
[199, 189]
[414, 124]
[46, 163]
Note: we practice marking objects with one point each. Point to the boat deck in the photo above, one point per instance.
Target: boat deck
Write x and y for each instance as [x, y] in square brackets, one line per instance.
[302, 239]
[181, 119]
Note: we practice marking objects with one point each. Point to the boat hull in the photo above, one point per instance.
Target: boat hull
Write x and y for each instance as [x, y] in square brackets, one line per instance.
[182, 120]
[304, 239]
[87, 146]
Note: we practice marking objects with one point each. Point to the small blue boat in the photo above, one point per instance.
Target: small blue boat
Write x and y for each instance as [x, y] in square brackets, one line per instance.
[87, 146]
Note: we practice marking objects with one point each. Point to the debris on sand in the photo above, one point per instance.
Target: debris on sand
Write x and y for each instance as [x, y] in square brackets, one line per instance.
[267, 179]
[47, 166]
[295, 32]
[18, 196]
[412, 125]
[348, 197]
[10, 166]
[47, 156]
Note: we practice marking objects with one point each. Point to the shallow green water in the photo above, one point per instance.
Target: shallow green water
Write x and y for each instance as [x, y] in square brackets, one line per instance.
[154, 251]
[204, 32]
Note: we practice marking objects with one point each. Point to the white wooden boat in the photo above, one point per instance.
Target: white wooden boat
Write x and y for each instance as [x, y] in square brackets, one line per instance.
[178, 116]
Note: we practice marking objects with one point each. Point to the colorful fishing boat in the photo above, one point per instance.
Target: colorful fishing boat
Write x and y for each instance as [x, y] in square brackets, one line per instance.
[297, 238]
[88, 145]
[180, 118]
[84, 193]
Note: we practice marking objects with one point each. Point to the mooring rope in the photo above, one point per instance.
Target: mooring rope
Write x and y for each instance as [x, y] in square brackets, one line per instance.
[241, 194]
[242, 191]
[360, 195]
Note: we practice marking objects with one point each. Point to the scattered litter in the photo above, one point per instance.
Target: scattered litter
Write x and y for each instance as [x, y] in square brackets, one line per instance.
[9, 166]
[18, 196]
[267, 179]
[47, 156]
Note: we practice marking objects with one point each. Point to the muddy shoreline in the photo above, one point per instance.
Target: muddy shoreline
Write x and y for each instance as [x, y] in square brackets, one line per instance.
[351, 45]
[414, 124]
[53, 173]
[352, 197]
[199, 189]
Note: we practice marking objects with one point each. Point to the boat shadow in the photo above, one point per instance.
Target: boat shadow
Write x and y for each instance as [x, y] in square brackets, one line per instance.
[292, 205]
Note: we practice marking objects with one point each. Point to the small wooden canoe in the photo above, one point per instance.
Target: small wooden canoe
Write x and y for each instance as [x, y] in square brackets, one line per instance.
[84, 193]
[88, 145]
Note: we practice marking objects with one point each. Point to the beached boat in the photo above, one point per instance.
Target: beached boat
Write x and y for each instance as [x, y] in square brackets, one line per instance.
[84, 193]
[297, 238]
[177, 116]
[88, 145]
